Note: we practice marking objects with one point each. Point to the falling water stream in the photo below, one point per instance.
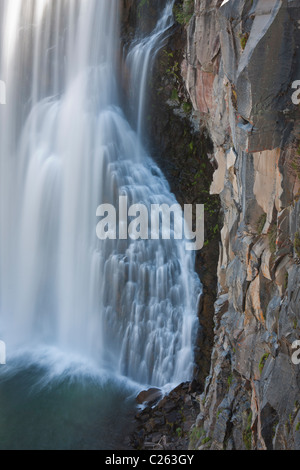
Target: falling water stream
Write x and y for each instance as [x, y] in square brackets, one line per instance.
[87, 323]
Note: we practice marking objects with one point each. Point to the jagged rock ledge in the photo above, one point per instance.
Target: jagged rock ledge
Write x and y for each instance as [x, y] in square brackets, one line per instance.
[166, 426]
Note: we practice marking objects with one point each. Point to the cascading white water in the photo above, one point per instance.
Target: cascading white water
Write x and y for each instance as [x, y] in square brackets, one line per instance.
[140, 60]
[66, 147]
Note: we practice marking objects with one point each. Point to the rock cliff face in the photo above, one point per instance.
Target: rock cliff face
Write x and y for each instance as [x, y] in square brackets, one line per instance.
[241, 61]
[239, 69]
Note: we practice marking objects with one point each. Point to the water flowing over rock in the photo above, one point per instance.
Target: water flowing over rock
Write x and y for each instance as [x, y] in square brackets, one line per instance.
[66, 148]
[119, 98]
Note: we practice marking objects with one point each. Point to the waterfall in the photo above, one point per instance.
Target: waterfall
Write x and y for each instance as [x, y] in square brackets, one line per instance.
[66, 147]
[140, 61]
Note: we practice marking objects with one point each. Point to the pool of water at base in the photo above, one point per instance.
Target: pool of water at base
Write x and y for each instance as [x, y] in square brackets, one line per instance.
[53, 401]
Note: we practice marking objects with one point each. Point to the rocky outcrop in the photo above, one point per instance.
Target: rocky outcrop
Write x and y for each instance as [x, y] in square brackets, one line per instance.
[167, 425]
[241, 61]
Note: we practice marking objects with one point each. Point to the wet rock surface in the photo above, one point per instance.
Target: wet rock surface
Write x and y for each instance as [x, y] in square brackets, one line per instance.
[149, 397]
[167, 425]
